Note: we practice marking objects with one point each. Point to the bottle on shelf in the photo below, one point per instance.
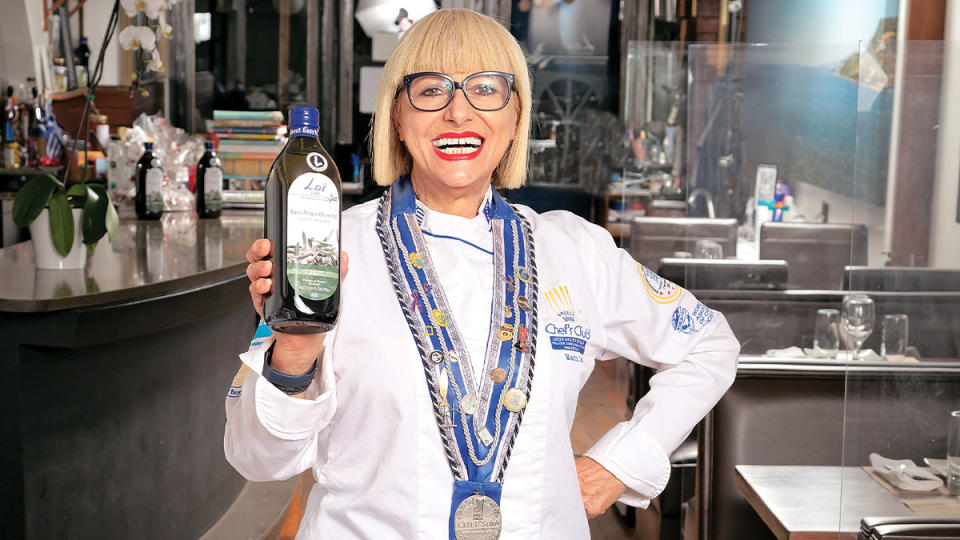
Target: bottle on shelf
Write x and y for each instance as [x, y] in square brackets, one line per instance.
[115, 165]
[61, 79]
[32, 116]
[11, 132]
[82, 54]
[303, 205]
[149, 198]
[209, 183]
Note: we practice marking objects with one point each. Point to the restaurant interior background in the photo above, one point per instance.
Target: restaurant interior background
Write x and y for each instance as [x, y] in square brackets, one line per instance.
[795, 164]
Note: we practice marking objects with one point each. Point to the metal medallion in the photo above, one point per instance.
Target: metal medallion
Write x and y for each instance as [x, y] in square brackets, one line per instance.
[439, 317]
[523, 303]
[506, 332]
[468, 404]
[436, 357]
[498, 375]
[523, 274]
[477, 518]
[453, 357]
[507, 312]
[514, 400]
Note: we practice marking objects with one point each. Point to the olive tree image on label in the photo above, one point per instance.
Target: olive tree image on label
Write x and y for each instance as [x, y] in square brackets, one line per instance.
[313, 250]
[213, 189]
[154, 190]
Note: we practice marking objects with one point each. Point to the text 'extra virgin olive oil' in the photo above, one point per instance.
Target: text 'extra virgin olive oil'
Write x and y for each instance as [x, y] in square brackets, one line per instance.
[208, 186]
[149, 198]
[303, 203]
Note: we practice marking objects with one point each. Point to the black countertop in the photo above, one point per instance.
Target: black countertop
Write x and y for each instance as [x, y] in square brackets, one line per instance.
[145, 259]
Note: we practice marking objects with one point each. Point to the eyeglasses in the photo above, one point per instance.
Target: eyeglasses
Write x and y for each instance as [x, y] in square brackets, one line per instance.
[485, 91]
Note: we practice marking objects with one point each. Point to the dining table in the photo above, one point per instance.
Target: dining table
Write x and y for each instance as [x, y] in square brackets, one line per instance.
[816, 502]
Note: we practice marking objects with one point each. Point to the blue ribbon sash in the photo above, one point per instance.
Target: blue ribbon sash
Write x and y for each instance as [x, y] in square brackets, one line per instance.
[478, 420]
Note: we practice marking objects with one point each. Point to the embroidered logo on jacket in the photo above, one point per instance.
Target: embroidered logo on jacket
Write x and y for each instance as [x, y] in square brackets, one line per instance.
[690, 323]
[566, 328]
[660, 290]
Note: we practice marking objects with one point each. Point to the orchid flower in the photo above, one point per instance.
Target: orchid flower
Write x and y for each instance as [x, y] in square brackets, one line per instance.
[154, 8]
[156, 64]
[165, 29]
[132, 7]
[137, 37]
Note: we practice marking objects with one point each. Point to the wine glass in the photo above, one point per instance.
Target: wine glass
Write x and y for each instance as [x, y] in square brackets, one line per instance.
[859, 317]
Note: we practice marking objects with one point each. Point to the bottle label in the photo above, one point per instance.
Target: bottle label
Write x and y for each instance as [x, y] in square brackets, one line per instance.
[313, 236]
[154, 194]
[213, 188]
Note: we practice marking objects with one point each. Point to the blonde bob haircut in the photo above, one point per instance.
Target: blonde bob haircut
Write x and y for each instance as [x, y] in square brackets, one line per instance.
[450, 41]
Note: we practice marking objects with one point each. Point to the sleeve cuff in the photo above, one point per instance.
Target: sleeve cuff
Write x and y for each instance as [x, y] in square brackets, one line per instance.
[287, 417]
[636, 459]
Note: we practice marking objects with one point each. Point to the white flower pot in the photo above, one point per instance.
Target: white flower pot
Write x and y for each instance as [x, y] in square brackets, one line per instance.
[46, 255]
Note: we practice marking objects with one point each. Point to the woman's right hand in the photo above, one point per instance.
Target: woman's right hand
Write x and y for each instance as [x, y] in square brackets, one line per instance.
[293, 353]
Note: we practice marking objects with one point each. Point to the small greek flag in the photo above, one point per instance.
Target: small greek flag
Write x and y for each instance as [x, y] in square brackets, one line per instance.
[51, 130]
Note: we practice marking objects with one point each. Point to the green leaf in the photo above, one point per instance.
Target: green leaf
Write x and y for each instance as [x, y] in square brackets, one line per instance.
[92, 285]
[112, 221]
[61, 223]
[77, 190]
[95, 214]
[33, 198]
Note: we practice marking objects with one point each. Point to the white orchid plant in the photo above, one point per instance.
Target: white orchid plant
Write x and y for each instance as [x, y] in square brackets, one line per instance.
[144, 39]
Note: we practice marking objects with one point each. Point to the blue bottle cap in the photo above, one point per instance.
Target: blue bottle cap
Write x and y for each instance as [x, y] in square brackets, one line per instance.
[148, 146]
[304, 121]
[209, 145]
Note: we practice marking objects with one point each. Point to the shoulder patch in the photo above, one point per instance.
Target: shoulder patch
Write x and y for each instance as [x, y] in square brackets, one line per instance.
[660, 290]
[690, 323]
[236, 387]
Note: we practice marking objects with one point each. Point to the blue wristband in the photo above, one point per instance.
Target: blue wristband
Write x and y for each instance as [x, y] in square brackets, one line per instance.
[288, 384]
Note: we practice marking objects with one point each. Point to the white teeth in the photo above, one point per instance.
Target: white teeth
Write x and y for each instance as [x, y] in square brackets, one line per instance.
[455, 145]
[458, 150]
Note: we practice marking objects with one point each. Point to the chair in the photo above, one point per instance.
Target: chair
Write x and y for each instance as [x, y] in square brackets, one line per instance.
[816, 252]
[653, 238]
[701, 274]
[900, 278]
[920, 528]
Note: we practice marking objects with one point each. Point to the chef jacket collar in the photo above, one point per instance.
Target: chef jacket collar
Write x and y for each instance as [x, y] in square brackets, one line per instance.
[404, 200]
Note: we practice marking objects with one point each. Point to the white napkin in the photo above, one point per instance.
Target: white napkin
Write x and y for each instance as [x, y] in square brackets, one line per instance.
[866, 355]
[789, 352]
[904, 473]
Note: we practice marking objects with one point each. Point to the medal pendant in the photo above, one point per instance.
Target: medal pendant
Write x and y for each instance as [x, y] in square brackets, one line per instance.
[477, 518]
[514, 400]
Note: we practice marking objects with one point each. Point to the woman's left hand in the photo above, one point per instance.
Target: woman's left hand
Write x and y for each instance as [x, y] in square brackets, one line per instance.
[598, 487]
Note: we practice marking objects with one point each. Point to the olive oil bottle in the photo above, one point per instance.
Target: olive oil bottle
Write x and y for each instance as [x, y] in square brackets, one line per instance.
[149, 199]
[303, 205]
[209, 183]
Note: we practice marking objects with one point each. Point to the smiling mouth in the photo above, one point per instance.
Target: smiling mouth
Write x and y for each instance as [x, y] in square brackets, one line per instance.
[454, 146]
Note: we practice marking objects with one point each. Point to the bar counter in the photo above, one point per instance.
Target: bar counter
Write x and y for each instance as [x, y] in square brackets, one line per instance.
[112, 380]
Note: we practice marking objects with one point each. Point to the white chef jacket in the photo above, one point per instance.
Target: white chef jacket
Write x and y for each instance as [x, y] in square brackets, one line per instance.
[368, 428]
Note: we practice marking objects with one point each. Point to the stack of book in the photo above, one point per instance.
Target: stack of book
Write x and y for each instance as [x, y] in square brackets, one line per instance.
[248, 142]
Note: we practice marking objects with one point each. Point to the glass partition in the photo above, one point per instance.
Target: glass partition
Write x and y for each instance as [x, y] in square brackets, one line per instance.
[813, 199]
[901, 390]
